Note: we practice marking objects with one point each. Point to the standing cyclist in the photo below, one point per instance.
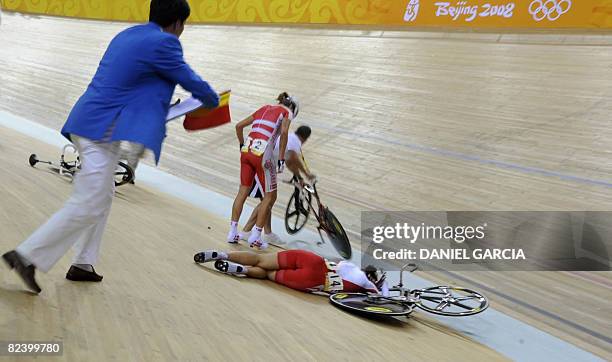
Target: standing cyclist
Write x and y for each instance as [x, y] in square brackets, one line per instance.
[257, 158]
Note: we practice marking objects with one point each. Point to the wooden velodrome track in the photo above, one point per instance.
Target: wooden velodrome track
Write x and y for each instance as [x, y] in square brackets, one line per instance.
[401, 121]
[156, 304]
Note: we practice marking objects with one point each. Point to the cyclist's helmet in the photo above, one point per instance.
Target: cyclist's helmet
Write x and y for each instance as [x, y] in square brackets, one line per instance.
[289, 102]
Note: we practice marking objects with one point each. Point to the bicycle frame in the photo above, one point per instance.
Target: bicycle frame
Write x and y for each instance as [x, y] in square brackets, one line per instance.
[318, 213]
[297, 213]
[443, 300]
[69, 167]
[312, 189]
[405, 295]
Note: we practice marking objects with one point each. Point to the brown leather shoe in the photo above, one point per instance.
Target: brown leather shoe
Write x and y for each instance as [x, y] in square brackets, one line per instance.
[15, 261]
[79, 275]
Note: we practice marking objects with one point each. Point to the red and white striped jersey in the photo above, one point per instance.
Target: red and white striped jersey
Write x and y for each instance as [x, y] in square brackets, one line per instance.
[267, 123]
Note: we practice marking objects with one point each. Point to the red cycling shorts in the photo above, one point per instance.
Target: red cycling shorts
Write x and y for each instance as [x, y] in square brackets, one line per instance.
[301, 270]
[263, 168]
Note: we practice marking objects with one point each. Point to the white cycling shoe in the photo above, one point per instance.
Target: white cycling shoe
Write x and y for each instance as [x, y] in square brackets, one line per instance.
[209, 255]
[229, 267]
[259, 244]
[233, 238]
[272, 238]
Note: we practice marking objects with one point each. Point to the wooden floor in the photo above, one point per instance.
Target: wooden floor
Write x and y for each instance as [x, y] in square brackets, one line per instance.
[156, 304]
[401, 121]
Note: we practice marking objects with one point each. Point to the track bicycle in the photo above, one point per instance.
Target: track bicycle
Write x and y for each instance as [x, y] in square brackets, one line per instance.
[300, 207]
[441, 300]
[123, 174]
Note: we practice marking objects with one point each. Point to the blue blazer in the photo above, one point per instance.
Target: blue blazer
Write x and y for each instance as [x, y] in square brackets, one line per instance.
[129, 96]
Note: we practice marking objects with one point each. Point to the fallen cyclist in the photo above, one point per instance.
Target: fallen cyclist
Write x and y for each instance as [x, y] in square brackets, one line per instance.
[298, 269]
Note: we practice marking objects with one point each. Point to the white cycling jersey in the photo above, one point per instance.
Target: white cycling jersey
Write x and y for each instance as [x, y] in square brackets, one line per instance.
[351, 273]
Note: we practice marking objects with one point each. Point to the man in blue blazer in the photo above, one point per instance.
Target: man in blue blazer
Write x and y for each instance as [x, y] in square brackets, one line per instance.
[127, 100]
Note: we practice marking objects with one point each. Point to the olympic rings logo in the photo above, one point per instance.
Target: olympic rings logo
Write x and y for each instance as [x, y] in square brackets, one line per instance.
[549, 9]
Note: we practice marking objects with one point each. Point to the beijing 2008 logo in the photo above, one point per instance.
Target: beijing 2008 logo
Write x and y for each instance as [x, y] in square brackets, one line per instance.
[412, 10]
[549, 9]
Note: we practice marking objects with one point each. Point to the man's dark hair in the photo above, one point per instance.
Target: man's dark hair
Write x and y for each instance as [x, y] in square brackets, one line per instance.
[303, 132]
[166, 12]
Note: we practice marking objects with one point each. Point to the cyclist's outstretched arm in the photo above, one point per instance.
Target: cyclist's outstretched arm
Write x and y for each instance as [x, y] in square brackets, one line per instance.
[292, 162]
[295, 164]
[282, 147]
[304, 169]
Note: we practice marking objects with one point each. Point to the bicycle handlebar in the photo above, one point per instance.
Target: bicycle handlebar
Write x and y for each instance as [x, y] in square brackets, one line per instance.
[412, 265]
[294, 181]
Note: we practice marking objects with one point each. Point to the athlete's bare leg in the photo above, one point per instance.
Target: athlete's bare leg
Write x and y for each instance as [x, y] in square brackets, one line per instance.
[265, 209]
[260, 266]
[262, 214]
[268, 261]
[253, 219]
[261, 273]
[268, 226]
[243, 193]
[272, 275]
[249, 225]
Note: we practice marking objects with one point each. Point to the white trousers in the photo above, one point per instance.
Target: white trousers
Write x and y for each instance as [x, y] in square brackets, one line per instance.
[82, 219]
[132, 152]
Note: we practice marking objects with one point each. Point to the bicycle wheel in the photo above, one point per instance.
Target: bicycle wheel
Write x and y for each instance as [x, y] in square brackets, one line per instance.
[369, 304]
[337, 235]
[451, 301]
[123, 174]
[297, 212]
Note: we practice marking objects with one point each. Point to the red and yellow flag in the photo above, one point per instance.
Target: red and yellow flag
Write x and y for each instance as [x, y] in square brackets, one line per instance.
[204, 118]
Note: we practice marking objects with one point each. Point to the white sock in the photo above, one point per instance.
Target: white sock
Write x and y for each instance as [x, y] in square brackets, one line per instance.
[234, 227]
[236, 268]
[230, 267]
[255, 234]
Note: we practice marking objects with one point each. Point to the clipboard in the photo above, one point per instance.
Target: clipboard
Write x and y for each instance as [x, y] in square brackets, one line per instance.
[187, 106]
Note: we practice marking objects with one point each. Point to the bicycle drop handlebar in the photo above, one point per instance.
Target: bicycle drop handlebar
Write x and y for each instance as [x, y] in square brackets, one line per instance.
[294, 181]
